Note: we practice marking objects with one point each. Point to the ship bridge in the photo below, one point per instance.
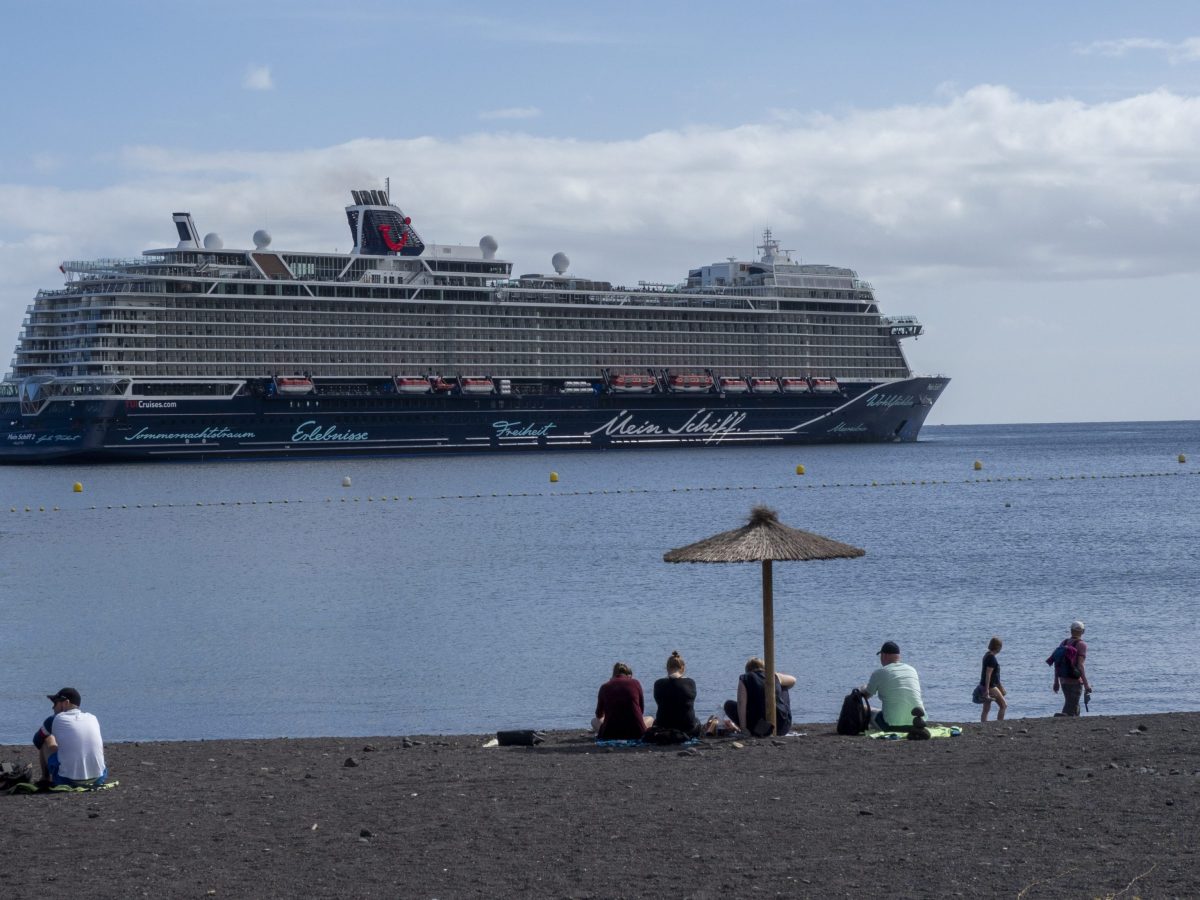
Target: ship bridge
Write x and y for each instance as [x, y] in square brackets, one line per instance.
[902, 326]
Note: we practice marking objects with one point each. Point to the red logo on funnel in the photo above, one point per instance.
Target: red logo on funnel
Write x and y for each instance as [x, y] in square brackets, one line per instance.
[393, 244]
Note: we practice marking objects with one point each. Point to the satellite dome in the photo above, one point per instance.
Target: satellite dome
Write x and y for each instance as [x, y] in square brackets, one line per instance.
[560, 262]
[212, 241]
[262, 239]
[488, 245]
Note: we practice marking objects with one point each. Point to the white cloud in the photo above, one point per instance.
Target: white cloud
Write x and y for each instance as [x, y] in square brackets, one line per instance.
[258, 78]
[1187, 50]
[512, 112]
[46, 162]
[985, 181]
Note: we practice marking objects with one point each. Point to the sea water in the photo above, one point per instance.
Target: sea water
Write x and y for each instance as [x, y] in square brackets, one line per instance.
[468, 594]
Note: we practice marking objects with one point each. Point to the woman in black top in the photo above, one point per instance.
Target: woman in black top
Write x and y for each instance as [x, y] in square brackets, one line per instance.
[989, 677]
[676, 698]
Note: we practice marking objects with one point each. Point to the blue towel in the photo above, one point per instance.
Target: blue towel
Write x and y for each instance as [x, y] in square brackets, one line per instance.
[686, 743]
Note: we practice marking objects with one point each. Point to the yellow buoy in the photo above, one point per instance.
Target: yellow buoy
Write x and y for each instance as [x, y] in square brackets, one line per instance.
[800, 470]
[77, 487]
[978, 465]
[553, 477]
[1182, 458]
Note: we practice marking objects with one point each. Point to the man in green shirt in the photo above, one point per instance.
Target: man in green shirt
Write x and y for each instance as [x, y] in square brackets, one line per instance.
[898, 687]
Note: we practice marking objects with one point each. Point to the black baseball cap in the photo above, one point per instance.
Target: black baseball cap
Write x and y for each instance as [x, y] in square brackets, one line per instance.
[888, 647]
[69, 694]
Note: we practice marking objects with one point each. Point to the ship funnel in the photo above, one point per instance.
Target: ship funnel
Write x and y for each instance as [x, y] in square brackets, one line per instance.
[189, 237]
[379, 228]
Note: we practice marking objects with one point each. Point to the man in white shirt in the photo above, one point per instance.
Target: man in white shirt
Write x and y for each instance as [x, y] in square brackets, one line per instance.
[69, 744]
[898, 687]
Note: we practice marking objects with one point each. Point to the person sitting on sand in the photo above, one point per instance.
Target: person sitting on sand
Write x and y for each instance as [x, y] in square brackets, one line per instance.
[898, 687]
[619, 707]
[749, 712]
[69, 744]
[989, 677]
[676, 699]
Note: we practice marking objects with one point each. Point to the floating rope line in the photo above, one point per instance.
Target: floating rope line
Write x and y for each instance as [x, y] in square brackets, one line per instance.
[674, 490]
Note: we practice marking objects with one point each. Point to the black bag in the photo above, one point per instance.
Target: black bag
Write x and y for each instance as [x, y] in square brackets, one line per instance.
[12, 774]
[665, 736]
[855, 717]
[525, 738]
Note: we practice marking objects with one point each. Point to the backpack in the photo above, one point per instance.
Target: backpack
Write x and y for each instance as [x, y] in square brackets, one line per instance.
[519, 738]
[856, 714]
[13, 774]
[1065, 660]
[665, 736]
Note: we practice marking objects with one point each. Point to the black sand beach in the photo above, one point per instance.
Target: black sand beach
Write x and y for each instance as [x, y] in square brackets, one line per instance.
[1091, 807]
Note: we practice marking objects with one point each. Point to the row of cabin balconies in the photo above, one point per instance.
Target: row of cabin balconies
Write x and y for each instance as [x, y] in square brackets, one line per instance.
[234, 364]
[477, 345]
[83, 304]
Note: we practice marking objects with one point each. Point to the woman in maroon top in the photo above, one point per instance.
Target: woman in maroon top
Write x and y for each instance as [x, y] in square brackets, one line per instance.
[620, 706]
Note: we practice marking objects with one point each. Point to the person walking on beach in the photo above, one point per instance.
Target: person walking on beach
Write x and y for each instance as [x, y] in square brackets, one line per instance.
[989, 677]
[898, 687]
[1072, 677]
[619, 707]
[69, 744]
[676, 698]
[749, 712]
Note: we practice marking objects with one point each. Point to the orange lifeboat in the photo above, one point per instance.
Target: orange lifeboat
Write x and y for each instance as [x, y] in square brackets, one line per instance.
[764, 385]
[476, 385]
[632, 383]
[795, 385]
[690, 384]
[293, 386]
[412, 384]
[733, 384]
[825, 386]
[442, 386]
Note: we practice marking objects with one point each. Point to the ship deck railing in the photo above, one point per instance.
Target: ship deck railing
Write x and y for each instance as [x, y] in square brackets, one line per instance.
[113, 265]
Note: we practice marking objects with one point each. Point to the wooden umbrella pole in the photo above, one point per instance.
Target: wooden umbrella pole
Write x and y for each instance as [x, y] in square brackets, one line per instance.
[769, 641]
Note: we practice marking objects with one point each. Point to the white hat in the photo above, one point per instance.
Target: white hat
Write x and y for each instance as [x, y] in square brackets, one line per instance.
[1077, 626]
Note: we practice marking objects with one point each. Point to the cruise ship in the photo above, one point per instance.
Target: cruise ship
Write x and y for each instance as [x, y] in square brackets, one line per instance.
[399, 346]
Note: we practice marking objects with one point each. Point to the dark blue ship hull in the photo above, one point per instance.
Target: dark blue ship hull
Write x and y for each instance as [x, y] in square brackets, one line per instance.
[329, 422]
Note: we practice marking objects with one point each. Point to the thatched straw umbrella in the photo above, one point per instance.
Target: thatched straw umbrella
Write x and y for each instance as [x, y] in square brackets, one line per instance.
[764, 539]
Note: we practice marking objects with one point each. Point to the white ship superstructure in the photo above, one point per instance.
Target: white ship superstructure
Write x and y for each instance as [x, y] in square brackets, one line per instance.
[199, 310]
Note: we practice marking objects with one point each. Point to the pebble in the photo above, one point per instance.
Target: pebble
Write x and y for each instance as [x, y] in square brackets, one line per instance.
[366, 833]
[350, 762]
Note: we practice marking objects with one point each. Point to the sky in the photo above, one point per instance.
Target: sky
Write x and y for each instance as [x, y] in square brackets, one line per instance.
[1023, 177]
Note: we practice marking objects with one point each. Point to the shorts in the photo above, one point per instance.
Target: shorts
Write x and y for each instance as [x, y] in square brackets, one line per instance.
[56, 779]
